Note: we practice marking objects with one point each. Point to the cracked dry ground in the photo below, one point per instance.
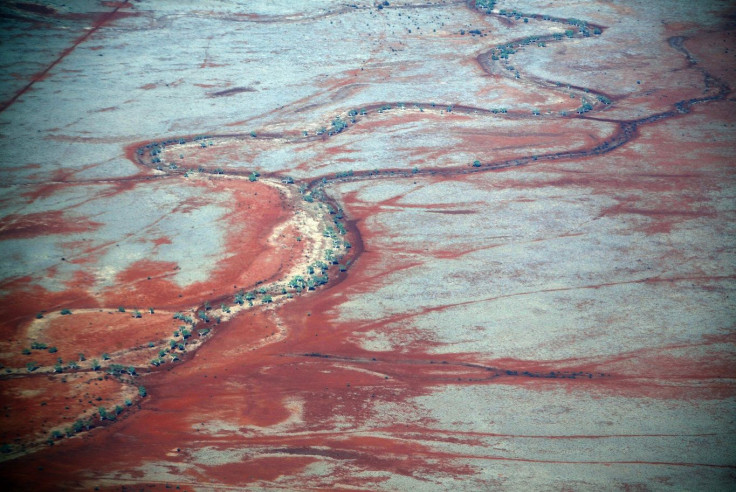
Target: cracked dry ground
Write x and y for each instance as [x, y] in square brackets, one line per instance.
[369, 246]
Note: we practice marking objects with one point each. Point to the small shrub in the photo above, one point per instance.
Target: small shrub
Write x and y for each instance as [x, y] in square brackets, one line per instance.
[65, 311]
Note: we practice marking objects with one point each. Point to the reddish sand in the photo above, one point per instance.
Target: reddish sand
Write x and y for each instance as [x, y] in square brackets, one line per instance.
[281, 389]
[91, 333]
[249, 258]
[34, 406]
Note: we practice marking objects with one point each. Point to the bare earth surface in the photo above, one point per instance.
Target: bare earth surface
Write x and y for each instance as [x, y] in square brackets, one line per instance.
[376, 245]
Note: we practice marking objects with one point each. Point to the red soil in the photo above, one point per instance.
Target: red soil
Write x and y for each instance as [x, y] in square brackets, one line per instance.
[92, 333]
[33, 406]
[25, 299]
[280, 387]
[248, 257]
[54, 222]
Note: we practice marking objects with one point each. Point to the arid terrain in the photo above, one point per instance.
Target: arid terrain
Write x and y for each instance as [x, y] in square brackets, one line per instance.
[407, 245]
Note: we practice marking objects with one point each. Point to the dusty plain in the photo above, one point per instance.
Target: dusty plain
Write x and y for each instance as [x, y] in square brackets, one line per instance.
[406, 245]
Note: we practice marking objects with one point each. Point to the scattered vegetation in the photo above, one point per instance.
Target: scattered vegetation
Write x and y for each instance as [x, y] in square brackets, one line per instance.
[338, 125]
